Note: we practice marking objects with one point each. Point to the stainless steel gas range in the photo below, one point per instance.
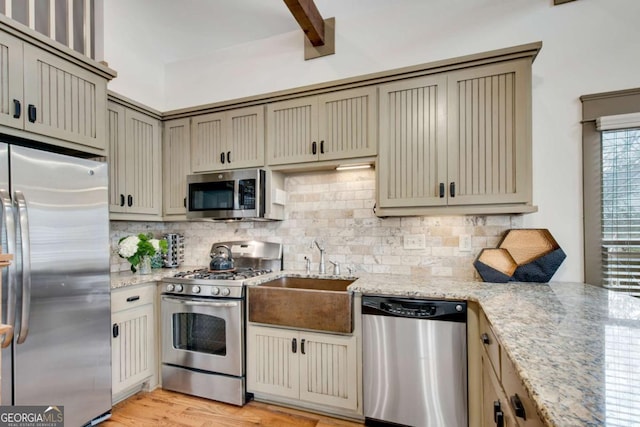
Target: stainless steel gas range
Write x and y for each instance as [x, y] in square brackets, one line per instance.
[203, 313]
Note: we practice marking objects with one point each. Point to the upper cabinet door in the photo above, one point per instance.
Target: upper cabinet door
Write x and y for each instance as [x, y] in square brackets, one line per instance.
[488, 120]
[348, 124]
[208, 142]
[245, 137]
[412, 163]
[292, 131]
[117, 158]
[176, 165]
[11, 104]
[144, 163]
[63, 100]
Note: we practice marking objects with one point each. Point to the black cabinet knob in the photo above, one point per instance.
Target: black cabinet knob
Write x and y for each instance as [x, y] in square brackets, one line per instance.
[485, 339]
[518, 407]
[17, 109]
[31, 110]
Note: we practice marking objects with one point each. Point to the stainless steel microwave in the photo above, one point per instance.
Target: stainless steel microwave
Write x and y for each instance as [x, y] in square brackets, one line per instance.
[245, 194]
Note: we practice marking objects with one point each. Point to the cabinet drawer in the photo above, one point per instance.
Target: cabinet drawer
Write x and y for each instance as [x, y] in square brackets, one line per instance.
[490, 343]
[132, 297]
[527, 416]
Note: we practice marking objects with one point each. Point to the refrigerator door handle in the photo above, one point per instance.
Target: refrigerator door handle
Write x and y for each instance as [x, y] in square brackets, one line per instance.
[26, 265]
[9, 224]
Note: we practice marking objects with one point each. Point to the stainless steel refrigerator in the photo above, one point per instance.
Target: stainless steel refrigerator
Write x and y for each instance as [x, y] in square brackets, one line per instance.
[55, 221]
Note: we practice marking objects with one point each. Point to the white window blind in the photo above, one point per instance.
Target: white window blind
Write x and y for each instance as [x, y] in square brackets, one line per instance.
[620, 211]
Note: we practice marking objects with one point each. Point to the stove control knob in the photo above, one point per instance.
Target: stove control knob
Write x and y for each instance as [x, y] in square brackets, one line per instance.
[170, 287]
[178, 288]
[225, 292]
[215, 291]
[195, 289]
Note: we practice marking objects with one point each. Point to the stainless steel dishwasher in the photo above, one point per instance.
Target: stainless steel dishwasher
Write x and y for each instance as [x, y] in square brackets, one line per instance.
[414, 362]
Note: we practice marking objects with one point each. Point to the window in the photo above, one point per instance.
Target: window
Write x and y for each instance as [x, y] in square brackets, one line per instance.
[620, 209]
[611, 171]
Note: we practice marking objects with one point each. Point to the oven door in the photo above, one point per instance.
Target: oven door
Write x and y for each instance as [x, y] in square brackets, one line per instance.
[205, 334]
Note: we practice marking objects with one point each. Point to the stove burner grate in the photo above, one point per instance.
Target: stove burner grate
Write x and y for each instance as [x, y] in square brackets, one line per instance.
[205, 274]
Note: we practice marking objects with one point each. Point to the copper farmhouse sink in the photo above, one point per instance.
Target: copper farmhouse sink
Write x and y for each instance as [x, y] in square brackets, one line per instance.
[303, 302]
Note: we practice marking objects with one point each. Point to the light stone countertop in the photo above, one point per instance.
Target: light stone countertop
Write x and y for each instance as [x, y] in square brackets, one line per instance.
[576, 347]
[127, 278]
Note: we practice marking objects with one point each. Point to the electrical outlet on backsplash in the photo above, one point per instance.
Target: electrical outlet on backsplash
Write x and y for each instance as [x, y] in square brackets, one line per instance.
[337, 208]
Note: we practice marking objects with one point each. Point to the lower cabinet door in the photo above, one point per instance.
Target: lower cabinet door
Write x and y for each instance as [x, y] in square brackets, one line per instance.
[328, 366]
[309, 367]
[272, 361]
[132, 347]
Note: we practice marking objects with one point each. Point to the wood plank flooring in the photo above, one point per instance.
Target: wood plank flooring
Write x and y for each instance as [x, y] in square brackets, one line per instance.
[167, 408]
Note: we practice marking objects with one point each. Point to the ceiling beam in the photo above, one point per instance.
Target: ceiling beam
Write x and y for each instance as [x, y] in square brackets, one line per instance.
[309, 19]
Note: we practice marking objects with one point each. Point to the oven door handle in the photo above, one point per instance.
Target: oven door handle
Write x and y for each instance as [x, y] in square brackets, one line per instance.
[202, 303]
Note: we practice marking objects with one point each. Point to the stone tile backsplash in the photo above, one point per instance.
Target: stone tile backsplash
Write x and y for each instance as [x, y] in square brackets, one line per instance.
[337, 208]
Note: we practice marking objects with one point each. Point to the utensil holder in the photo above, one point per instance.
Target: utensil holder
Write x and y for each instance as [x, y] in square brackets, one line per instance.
[175, 250]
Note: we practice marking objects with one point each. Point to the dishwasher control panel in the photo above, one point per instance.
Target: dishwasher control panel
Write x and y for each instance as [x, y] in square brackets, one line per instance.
[415, 308]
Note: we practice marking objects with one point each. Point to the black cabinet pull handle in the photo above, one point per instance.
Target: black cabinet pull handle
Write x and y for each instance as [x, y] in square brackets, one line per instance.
[122, 200]
[496, 410]
[222, 158]
[518, 407]
[442, 190]
[184, 202]
[321, 147]
[32, 113]
[500, 419]
[130, 200]
[486, 341]
[452, 189]
[133, 298]
[314, 148]
[302, 346]
[228, 156]
[294, 345]
[116, 330]
[17, 109]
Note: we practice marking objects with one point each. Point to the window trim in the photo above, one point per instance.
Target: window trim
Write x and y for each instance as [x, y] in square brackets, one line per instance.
[595, 106]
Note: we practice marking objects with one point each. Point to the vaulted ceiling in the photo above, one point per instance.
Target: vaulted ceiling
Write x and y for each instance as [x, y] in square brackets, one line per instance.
[177, 30]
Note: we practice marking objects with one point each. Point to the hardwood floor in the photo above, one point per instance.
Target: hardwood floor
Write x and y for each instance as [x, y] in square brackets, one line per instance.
[167, 408]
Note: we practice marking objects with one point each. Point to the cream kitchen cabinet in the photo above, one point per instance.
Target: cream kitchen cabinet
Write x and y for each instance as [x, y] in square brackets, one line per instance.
[505, 402]
[332, 126]
[134, 164]
[230, 139]
[306, 366]
[459, 140]
[133, 339]
[175, 168]
[53, 94]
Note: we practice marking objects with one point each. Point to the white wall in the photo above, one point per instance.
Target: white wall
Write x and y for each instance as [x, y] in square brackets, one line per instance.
[589, 46]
